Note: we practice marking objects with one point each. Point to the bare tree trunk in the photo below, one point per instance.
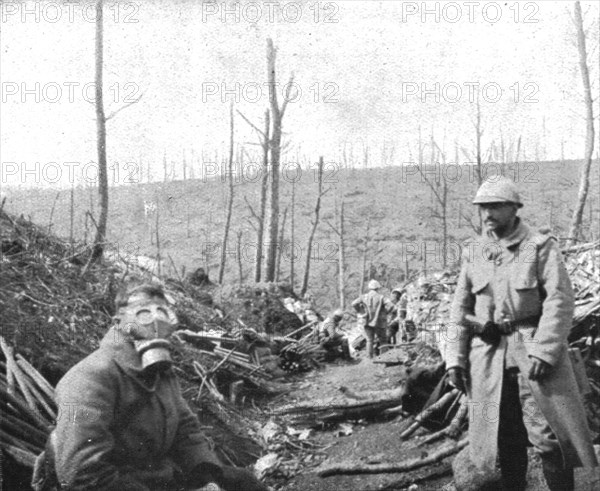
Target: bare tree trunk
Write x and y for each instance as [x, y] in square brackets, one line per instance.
[315, 223]
[263, 199]
[239, 256]
[364, 259]
[280, 242]
[584, 180]
[277, 114]
[444, 221]
[292, 234]
[100, 238]
[51, 220]
[156, 226]
[440, 192]
[71, 214]
[230, 199]
[479, 133]
[341, 257]
[275, 155]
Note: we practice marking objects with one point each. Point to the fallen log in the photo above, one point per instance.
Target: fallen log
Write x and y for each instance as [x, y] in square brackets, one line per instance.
[428, 412]
[454, 428]
[354, 467]
[328, 410]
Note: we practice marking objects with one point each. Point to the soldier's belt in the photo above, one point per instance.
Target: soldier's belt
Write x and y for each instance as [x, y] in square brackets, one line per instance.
[509, 327]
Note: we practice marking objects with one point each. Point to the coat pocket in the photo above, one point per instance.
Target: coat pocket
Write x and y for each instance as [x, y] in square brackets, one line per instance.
[527, 296]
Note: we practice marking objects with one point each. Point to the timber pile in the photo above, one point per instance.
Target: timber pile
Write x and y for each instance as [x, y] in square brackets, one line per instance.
[583, 266]
[301, 355]
[27, 406]
[217, 370]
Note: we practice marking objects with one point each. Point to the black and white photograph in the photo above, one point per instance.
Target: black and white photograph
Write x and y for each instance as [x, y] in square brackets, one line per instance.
[299, 245]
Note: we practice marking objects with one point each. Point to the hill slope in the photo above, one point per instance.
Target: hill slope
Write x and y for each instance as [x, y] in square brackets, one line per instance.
[396, 206]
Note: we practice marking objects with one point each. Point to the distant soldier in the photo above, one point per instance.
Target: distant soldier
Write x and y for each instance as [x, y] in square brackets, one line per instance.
[331, 338]
[397, 317]
[310, 313]
[375, 308]
[513, 307]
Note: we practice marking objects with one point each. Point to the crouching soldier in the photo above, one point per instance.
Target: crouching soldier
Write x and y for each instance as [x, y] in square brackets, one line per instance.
[331, 339]
[124, 424]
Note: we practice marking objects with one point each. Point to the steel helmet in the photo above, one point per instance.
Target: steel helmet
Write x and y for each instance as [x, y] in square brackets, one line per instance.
[399, 290]
[338, 313]
[499, 190]
[374, 285]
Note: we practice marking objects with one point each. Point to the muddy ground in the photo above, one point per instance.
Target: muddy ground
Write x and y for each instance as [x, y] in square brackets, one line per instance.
[379, 441]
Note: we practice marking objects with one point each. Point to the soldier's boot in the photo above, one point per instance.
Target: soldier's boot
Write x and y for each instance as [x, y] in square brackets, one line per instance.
[346, 350]
[370, 348]
[513, 468]
[558, 478]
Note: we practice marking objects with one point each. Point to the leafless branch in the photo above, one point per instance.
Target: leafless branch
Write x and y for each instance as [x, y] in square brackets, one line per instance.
[125, 106]
[254, 215]
[335, 230]
[287, 95]
[258, 130]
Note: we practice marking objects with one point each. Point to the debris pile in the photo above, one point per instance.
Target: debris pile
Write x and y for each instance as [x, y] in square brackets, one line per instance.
[289, 451]
[54, 306]
[27, 405]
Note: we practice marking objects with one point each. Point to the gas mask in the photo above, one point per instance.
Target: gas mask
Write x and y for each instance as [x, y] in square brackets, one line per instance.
[149, 322]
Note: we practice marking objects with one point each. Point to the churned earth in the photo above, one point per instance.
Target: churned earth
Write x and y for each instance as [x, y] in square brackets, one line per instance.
[374, 442]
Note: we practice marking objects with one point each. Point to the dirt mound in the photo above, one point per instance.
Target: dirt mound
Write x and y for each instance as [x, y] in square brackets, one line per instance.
[54, 307]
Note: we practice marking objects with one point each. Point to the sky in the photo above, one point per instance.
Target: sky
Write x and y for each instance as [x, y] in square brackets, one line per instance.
[367, 74]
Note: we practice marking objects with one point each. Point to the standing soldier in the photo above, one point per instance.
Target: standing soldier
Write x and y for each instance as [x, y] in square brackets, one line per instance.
[375, 307]
[513, 308]
[397, 317]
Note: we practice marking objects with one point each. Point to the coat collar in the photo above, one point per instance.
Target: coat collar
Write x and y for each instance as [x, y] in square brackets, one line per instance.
[517, 236]
[122, 351]
[492, 246]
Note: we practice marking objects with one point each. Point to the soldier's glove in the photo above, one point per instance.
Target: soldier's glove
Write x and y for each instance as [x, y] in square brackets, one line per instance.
[490, 333]
[458, 378]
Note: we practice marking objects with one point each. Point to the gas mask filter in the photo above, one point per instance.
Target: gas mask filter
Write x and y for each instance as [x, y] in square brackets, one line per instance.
[150, 323]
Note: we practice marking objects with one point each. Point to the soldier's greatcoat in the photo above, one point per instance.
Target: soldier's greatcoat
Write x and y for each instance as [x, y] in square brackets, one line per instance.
[517, 277]
[117, 430]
